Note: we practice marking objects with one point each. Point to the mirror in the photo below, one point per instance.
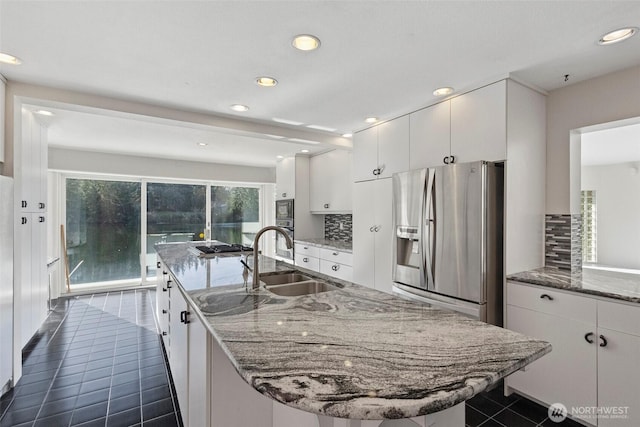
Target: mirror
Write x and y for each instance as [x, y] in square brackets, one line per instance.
[610, 196]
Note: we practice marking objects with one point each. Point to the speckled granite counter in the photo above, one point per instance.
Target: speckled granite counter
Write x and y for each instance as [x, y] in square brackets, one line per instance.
[326, 243]
[611, 284]
[352, 352]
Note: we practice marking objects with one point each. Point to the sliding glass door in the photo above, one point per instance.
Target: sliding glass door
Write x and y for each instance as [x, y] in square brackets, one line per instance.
[113, 225]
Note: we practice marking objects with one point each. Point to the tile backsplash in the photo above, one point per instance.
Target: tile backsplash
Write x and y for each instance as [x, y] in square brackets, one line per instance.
[563, 241]
[338, 227]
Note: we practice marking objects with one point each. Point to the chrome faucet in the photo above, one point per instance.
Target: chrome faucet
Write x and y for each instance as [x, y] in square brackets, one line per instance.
[256, 278]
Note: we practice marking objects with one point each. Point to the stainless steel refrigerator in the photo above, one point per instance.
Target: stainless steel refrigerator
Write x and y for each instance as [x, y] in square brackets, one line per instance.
[448, 245]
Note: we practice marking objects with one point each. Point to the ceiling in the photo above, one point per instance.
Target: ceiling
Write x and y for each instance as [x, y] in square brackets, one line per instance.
[377, 58]
[611, 146]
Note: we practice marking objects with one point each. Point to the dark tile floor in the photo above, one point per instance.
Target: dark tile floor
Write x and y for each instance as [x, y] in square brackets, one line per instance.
[97, 361]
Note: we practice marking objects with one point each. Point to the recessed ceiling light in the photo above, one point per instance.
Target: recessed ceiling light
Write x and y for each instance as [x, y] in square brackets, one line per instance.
[5, 58]
[371, 119]
[266, 81]
[287, 122]
[304, 151]
[347, 135]
[239, 107]
[617, 35]
[328, 129]
[202, 144]
[44, 112]
[443, 91]
[279, 157]
[306, 42]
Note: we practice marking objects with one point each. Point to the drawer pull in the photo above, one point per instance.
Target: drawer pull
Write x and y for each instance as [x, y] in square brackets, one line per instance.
[335, 267]
[546, 296]
[604, 341]
[305, 259]
[335, 254]
[588, 337]
[372, 228]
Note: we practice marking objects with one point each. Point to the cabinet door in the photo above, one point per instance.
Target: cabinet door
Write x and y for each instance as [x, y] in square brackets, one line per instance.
[618, 378]
[26, 166]
[162, 299]
[2, 100]
[321, 177]
[363, 232]
[365, 154]
[39, 275]
[23, 275]
[286, 178]
[383, 235]
[41, 150]
[393, 147]
[479, 124]
[199, 363]
[567, 374]
[178, 350]
[430, 136]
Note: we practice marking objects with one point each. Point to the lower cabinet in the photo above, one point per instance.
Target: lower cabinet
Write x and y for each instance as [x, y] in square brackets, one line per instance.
[332, 262]
[593, 366]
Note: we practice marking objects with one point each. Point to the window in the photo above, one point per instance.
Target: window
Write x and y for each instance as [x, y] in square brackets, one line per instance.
[589, 229]
[235, 214]
[102, 230]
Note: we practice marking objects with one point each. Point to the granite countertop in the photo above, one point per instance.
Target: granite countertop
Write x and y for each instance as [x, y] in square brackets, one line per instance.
[326, 243]
[352, 352]
[605, 283]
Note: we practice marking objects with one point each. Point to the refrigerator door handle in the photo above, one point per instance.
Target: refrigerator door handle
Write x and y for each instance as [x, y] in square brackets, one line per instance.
[429, 240]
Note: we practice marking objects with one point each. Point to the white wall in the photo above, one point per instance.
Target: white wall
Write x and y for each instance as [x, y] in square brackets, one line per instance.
[612, 97]
[618, 204]
[116, 164]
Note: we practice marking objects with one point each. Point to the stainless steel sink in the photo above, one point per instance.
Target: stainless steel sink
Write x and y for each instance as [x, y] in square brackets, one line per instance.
[301, 288]
[284, 278]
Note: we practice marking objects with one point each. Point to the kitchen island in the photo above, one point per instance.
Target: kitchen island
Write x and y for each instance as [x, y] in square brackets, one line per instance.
[351, 353]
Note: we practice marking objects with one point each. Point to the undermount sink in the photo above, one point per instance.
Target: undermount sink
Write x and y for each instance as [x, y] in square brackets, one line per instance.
[284, 278]
[301, 288]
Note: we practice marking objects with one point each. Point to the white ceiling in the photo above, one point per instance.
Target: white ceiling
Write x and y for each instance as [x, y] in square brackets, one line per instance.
[377, 58]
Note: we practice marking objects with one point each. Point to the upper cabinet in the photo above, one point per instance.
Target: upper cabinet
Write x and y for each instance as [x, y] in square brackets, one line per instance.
[30, 167]
[286, 178]
[381, 150]
[330, 182]
[469, 127]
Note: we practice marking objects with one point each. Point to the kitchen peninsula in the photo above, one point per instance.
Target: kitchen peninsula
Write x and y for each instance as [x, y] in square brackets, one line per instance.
[334, 357]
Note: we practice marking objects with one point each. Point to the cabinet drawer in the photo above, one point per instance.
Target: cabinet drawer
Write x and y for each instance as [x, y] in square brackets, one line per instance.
[339, 271]
[619, 317]
[333, 255]
[304, 249]
[309, 262]
[545, 300]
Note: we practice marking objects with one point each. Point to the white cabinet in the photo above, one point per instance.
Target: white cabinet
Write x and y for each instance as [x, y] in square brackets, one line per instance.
[31, 165]
[162, 302]
[330, 181]
[479, 124]
[179, 350]
[330, 261]
[372, 234]
[6, 282]
[286, 178]
[430, 136]
[595, 349]
[382, 150]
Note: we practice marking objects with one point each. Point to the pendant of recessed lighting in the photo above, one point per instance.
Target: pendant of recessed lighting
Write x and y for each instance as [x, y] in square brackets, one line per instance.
[265, 81]
[617, 35]
[305, 42]
[5, 58]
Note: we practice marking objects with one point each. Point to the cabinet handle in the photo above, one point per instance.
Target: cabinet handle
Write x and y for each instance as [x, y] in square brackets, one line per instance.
[372, 228]
[604, 341]
[284, 194]
[446, 160]
[377, 228]
[158, 264]
[40, 219]
[165, 273]
[164, 311]
[184, 317]
[41, 205]
[587, 337]
[452, 159]
[375, 172]
[326, 205]
[24, 203]
[546, 296]
[380, 169]
[169, 284]
[335, 254]
[164, 333]
[23, 220]
[305, 247]
[335, 267]
[305, 259]
[164, 289]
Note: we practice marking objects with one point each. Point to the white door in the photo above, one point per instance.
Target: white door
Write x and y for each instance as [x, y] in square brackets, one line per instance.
[393, 147]
[286, 178]
[430, 136]
[179, 353]
[567, 374]
[479, 124]
[199, 364]
[24, 276]
[365, 154]
[321, 176]
[363, 233]
[383, 234]
[618, 378]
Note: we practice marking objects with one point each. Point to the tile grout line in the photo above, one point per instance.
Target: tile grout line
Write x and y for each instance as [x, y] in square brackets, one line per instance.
[113, 363]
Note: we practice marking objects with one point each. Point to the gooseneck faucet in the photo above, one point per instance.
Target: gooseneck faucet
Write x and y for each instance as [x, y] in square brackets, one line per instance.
[256, 275]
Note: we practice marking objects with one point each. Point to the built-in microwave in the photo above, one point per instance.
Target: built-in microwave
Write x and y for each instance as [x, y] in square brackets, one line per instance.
[284, 219]
[284, 210]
